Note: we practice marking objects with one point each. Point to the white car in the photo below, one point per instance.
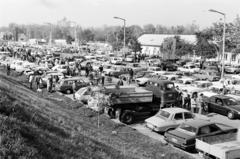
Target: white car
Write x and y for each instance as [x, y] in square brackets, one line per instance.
[170, 118]
[143, 80]
[60, 68]
[189, 68]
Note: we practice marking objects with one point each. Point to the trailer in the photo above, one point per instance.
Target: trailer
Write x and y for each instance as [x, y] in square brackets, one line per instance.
[225, 146]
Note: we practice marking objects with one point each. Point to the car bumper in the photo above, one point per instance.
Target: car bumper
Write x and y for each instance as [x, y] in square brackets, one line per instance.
[178, 144]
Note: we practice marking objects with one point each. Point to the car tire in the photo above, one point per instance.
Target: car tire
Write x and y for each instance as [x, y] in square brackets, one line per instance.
[111, 113]
[127, 117]
[230, 115]
[68, 91]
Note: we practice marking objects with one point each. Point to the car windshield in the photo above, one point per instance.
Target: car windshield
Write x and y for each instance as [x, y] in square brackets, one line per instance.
[188, 128]
[163, 114]
[230, 102]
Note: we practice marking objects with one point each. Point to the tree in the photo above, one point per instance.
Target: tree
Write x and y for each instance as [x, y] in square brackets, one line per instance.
[204, 47]
[149, 29]
[135, 46]
[174, 47]
[87, 35]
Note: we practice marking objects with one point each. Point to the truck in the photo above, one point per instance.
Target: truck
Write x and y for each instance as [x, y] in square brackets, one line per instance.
[131, 103]
[224, 146]
[142, 102]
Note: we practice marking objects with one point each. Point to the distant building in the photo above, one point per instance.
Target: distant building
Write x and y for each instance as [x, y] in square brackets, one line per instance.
[151, 43]
[231, 58]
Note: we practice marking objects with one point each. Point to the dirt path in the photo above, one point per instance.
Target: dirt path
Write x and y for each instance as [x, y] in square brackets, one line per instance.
[78, 120]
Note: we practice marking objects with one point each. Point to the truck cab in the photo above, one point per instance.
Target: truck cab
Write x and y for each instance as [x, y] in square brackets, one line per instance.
[164, 92]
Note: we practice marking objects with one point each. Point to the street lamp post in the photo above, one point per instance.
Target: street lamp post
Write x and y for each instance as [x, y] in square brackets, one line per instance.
[50, 34]
[75, 33]
[124, 32]
[223, 38]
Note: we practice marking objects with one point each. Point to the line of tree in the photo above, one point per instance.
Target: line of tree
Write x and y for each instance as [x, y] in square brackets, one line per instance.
[209, 40]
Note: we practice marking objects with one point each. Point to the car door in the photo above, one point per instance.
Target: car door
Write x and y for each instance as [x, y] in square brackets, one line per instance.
[218, 105]
[211, 104]
[80, 83]
[178, 119]
[188, 116]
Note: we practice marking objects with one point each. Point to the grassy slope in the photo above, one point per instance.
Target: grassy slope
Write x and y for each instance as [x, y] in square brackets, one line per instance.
[49, 127]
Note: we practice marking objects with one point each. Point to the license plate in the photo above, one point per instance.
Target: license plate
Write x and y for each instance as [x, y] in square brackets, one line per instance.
[170, 95]
[174, 140]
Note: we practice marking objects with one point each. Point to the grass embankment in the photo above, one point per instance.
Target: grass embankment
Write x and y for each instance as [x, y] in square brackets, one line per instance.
[52, 126]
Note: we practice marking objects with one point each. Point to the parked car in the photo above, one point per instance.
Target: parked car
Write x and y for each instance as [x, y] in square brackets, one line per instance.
[189, 68]
[118, 70]
[170, 118]
[223, 105]
[207, 75]
[232, 69]
[168, 66]
[65, 85]
[185, 135]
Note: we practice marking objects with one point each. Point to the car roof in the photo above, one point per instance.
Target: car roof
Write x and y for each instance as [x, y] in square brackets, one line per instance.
[174, 110]
[221, 96]
[75, 78]
[156, 80]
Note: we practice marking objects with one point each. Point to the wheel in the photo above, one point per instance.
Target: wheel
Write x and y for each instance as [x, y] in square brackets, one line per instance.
[68, 91]
[127, 117]
[111, 113]
[230, 115]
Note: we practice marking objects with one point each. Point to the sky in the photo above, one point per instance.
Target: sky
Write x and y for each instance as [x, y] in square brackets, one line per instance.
[96, 13]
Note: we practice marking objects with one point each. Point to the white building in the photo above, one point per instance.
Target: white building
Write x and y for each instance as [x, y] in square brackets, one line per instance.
[231, 58]
[151, 43]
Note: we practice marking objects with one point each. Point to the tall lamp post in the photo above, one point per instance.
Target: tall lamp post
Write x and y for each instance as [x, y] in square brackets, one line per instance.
[223, 38]
[50, 34]
[75, 33]
[124, 32]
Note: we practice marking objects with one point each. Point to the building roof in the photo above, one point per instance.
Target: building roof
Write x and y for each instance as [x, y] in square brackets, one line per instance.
[157, 39]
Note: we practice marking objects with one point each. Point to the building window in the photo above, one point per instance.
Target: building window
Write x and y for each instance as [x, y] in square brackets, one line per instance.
[225, 56]
[234, 57]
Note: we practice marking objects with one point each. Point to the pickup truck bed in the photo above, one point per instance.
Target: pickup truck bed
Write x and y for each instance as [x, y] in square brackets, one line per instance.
[129, 94]
[221, 146]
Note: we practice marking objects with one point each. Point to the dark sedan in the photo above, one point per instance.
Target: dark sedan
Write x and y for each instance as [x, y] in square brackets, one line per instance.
[185, 135]
[223, 105]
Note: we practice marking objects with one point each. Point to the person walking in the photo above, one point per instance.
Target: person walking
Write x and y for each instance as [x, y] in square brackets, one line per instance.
[74, 89]
[130, 75]
[38, 80]
[102, 78]
[31, 78]
[8, 69]
[200, 104]
[194, 102]
[187, 102]
[101, 68]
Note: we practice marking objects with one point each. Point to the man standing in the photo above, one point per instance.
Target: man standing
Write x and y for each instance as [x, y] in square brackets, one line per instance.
[8, 69]
[38, 79]
[74, 89]
[130, 75]
[31, 77]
